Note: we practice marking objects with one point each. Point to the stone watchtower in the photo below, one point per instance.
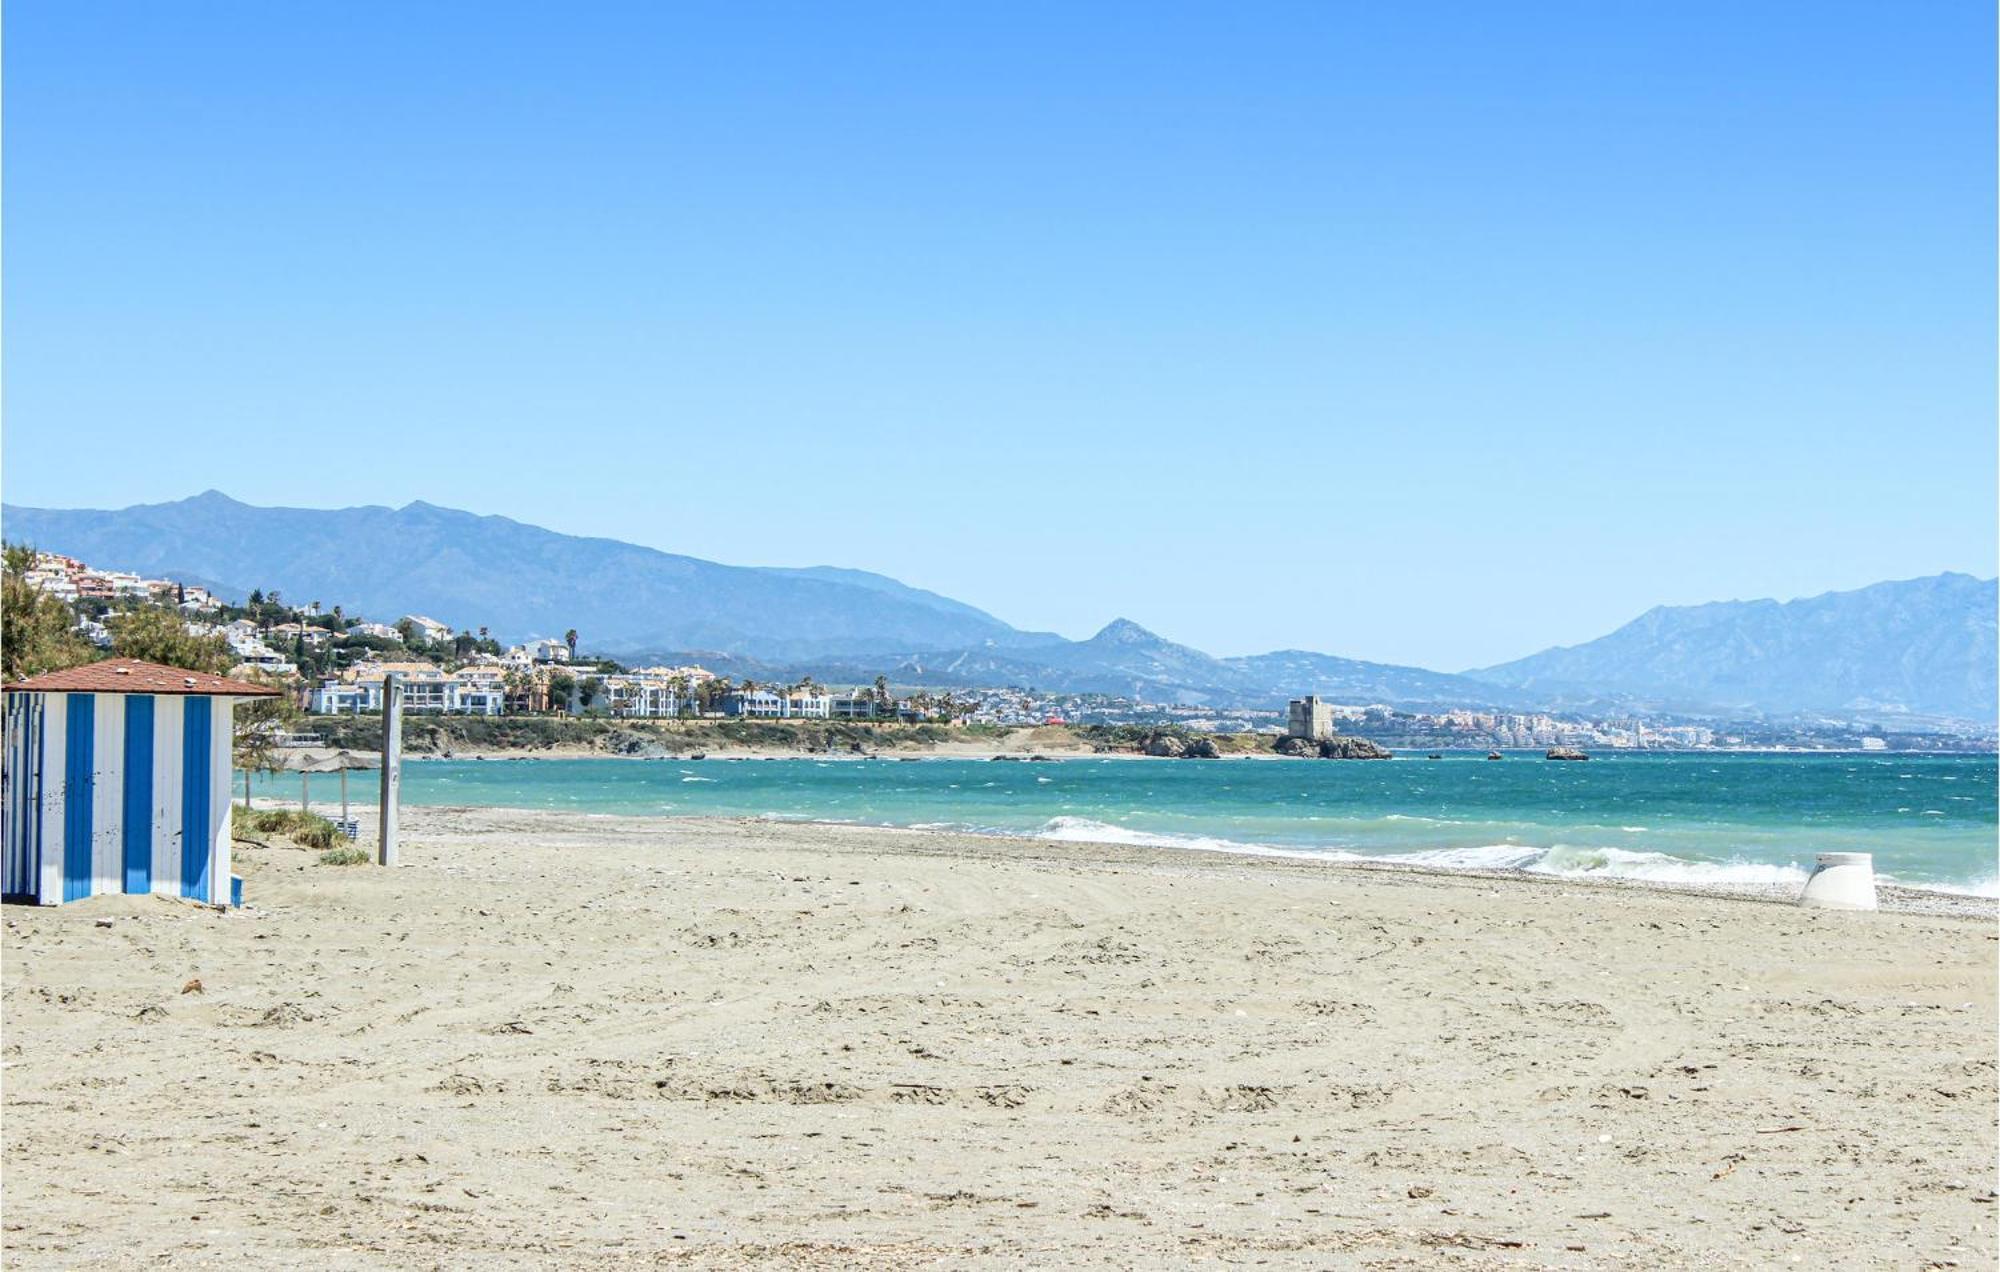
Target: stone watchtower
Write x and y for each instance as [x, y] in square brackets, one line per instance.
[1309, 718]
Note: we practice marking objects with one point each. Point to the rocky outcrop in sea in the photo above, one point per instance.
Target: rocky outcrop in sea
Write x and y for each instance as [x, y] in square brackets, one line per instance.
[1175, 746]
[1335, 748]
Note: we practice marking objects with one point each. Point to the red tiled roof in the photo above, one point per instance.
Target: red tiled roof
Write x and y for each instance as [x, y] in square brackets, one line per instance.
[129, 675]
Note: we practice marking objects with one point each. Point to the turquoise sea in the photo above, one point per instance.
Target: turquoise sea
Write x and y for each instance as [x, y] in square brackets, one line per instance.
[1689, 817]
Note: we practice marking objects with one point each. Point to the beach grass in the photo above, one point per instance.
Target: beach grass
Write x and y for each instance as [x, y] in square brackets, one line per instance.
[308, 830]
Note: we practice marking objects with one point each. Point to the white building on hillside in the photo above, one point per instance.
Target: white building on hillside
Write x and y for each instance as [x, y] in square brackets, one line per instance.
[429, 628]
[640, 696]
[801, 704]
[548, 651]
[755, 704]
[426, 689]
[333, 697]
[859, 705]
[792, 704]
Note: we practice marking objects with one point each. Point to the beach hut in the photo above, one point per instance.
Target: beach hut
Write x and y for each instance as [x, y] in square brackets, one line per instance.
[116, 779]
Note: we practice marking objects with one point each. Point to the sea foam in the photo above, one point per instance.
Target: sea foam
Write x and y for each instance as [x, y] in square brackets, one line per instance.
[1561, 860]
[1086, 830]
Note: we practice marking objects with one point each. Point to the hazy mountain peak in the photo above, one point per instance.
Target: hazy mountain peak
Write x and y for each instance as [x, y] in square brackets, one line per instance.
[1923, 646]
[1123, 631]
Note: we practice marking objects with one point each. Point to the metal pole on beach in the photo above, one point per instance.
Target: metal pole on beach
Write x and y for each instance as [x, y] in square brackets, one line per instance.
[392, 763]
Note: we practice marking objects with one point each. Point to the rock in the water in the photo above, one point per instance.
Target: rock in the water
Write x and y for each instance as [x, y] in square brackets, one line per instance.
[1566, 753]
[1166, 744]
[1201, 749]
[1350, 749]
[1335, 748]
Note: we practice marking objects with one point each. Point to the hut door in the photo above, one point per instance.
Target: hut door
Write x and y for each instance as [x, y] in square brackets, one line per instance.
[137, 828]
[79, 790]
[197, 820]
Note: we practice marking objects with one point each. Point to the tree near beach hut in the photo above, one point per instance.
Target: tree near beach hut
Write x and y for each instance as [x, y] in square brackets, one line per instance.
[37, 631]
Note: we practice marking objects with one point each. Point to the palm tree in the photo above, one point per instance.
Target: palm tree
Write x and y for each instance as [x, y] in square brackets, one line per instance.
[569, 638]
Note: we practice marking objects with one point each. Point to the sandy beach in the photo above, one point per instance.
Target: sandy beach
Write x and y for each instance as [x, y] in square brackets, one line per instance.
[550, 1040]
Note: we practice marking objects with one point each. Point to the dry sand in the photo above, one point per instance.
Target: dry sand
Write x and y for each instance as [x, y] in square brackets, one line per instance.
[566, 1041]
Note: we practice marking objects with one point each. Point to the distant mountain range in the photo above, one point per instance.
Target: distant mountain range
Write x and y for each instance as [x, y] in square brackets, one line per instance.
[1125, 658]
[1920, 646]
[1923, 647]
[519, 580]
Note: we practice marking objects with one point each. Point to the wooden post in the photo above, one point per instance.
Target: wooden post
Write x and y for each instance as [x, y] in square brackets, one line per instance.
[305, 791]
[344, 814]
[246, 790]
[392, 764]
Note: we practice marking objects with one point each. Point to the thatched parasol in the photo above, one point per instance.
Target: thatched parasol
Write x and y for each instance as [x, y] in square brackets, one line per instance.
[307, 760]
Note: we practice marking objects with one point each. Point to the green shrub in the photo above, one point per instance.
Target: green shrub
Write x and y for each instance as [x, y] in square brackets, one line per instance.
[352, 855]
[308, 830]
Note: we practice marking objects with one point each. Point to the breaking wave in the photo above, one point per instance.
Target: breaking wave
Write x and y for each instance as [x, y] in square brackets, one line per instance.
[1603, 863]
[1562, 860]
[1085, 830]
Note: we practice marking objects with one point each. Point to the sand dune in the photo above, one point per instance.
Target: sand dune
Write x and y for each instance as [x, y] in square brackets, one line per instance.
[563, 1041]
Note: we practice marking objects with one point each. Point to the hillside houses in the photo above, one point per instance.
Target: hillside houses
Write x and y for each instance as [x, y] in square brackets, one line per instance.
[339, 664]
[491, 687]
[246, 641]
[290, 633]
[69, 579]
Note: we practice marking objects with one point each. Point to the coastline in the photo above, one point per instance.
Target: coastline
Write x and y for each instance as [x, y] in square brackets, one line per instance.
[932, 841]
[1079, 751]
[430, 736]
[1893, 897]
[553, 1039]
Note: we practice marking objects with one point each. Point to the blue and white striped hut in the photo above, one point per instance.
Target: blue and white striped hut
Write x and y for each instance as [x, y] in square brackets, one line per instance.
[116, 779]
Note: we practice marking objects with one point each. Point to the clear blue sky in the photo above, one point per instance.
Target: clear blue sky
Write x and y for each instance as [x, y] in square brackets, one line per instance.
[1430, 333]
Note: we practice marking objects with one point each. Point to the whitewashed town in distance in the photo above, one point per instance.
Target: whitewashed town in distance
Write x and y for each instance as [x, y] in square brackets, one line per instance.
[335, 663]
